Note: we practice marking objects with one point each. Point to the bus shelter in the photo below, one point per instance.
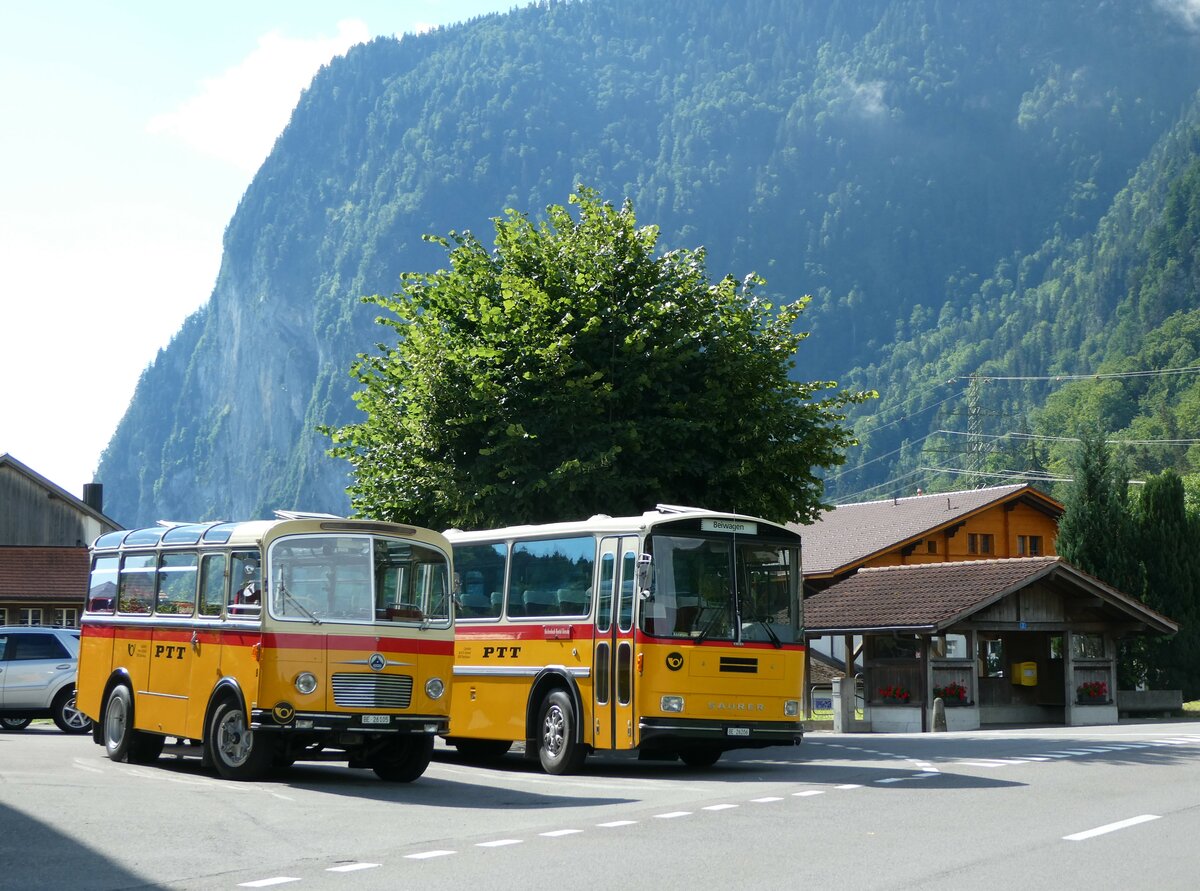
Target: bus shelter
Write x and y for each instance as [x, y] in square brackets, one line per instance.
[1014, 641]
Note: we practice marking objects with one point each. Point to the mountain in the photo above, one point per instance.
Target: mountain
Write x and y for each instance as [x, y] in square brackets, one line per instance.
[920, 166]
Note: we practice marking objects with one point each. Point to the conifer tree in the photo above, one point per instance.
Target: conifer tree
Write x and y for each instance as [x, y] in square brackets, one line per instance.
[1170, 552]
[1096, 532]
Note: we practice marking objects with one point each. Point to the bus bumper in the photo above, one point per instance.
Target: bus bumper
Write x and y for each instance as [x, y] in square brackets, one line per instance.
[659, 733]
[333, 722]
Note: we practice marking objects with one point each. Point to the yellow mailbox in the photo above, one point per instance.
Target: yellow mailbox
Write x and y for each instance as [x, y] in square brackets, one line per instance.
[1024, 674]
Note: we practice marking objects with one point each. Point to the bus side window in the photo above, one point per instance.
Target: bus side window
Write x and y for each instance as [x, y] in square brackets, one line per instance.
[212, 584]
[245, 584]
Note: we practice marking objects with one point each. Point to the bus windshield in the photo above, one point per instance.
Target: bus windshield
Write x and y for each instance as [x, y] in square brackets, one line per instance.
[723, 589]
[318, 578]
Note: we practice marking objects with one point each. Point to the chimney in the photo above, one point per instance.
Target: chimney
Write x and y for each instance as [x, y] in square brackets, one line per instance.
[93, 496]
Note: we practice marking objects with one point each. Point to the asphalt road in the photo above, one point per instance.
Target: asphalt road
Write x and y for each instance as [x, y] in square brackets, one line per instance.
[1111, 807]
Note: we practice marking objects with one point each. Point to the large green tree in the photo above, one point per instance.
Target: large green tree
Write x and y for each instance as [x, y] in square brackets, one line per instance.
[571, 371]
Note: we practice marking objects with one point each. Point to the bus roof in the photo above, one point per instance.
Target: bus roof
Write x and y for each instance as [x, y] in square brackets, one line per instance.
[602, 523]
[250, 533]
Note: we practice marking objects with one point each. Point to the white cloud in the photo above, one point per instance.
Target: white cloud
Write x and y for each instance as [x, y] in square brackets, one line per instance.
[237, 115]
[1186, 11]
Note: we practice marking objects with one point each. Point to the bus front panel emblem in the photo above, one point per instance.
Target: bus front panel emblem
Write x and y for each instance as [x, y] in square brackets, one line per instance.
[377, 662]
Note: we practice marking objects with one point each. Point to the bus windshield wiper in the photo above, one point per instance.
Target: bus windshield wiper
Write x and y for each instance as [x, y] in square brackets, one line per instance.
[770, 633]
[288, 598]
[711, 623]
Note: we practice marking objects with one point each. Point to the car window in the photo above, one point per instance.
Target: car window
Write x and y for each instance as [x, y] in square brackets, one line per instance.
[38, 646]
[3, 646]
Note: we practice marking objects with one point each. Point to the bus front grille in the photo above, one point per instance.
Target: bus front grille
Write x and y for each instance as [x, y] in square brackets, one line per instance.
[739, 665]
[372, 690]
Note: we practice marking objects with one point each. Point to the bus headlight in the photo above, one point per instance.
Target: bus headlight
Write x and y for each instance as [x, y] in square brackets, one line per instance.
[434, 688]
[306, 682]
[791, 708]
[671, 703]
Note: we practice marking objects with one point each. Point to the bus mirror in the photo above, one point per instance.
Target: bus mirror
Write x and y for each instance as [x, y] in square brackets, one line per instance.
[645, 576]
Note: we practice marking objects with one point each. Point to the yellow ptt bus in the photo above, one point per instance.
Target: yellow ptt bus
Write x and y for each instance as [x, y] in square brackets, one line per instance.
[308, 637]
[674, 634]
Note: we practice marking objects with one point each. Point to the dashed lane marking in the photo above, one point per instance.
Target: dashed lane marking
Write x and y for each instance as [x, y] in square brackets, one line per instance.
[1111, 827]
[353, 867]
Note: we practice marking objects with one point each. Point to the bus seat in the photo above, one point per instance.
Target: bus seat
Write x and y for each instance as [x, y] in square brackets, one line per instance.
[476, 603]
[573, 601]
[540, 603]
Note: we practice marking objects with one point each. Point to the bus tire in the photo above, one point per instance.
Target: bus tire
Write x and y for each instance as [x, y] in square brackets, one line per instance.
[404, 759]
[121, 741]
[558, 750]
[700, 756]
[237, 752]
[67, 716]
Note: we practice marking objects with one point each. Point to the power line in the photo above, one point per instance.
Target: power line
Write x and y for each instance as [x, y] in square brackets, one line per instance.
[1109, 375]
[1046, 438]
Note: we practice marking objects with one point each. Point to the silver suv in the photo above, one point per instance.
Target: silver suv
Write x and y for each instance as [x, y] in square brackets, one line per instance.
[37, 678]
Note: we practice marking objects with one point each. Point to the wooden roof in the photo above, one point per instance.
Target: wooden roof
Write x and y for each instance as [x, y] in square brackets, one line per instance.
[851, 534]
[931, 597]
[39, 575]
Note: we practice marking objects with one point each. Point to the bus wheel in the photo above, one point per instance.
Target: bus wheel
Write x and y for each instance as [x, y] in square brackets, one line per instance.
[700, 757]
[121, 741]
[558, 749]
[67, 716]
[403, 760]
[482, 750]
[234, 749]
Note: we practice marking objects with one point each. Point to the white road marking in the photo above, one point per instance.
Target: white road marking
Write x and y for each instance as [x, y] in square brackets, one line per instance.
[719, 807]
[559, 833]
[499, 843]
[353, 867]
[616, 823]
[766, 800]
[1111, 827]
[671, 815]
[849, 786]
[267, 883]
[426, 855]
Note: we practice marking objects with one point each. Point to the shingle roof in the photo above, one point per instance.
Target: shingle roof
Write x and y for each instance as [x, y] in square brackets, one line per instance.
[41, 575]
[933, 596]
[850, 533]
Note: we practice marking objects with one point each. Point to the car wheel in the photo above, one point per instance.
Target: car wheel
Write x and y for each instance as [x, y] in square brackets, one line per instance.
[67, 716]
[13, 725]
[558, 750]
[235, 750]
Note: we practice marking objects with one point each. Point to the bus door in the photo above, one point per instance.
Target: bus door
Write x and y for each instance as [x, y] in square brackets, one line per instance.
[612, 706]
[165, 706]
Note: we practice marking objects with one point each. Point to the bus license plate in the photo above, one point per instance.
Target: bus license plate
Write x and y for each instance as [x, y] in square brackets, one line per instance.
[737, 731]
[377, 719]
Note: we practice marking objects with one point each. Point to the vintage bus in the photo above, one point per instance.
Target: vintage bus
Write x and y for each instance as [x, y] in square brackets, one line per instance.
[307, 637]
[674, 634]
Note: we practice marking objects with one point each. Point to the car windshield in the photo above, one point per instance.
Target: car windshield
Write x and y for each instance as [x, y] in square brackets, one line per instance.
[725, 588]
[357, 578]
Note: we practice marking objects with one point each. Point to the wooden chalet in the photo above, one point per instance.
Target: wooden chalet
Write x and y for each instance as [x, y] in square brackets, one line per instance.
[44, 536]
[961, 597]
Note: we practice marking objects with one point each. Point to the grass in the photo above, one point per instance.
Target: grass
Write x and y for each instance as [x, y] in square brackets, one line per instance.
[1192, 709]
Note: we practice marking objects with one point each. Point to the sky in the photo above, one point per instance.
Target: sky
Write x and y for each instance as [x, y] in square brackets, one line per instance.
[129, 131]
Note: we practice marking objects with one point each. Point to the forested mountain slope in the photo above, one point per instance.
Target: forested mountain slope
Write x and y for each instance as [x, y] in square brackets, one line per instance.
[896, 159]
